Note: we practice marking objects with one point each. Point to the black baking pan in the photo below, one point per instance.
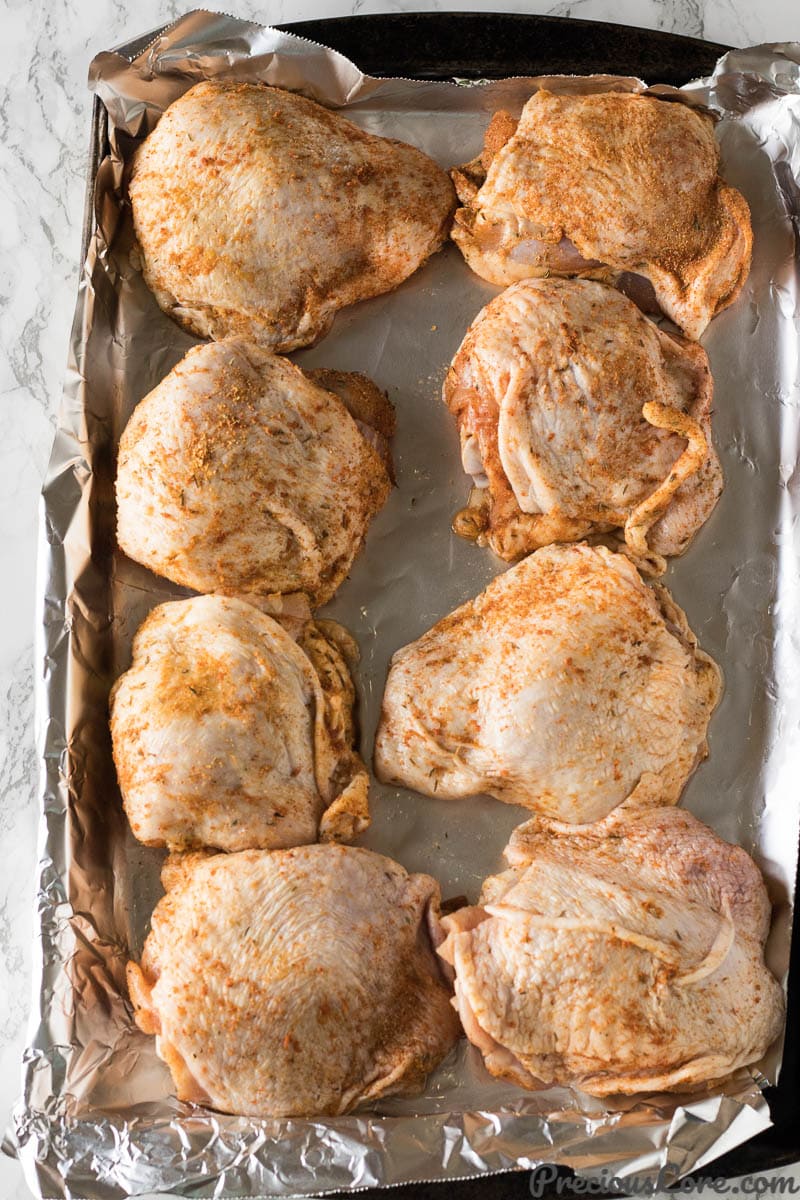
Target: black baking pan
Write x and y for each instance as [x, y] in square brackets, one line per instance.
[491, 46]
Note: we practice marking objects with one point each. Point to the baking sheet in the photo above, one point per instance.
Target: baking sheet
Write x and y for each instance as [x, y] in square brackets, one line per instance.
[96, 1118]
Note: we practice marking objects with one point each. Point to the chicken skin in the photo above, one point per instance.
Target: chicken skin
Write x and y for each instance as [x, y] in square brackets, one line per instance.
[578, 415]
[621, 957]
[607, 185]
[260, 213]
[229, 733]
[240, 473]
[566, 686]
[320, 986]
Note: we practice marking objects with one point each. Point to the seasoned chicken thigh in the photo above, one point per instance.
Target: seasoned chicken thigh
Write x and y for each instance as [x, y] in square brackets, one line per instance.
[240, 473]
[320, 986]
[261, 213]
[578, 415]
[566, 686]
[604, 185]
[621, 957]
[228, 733]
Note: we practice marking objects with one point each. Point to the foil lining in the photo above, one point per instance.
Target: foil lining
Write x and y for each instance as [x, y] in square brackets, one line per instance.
[96, 1119]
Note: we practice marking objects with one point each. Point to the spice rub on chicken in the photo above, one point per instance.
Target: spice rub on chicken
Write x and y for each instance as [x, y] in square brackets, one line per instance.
[566, 686]
[260, 213]
[578, 415]
[227, 732]
[240, 473]
[606, 185]
[621, 957]
[294, 983]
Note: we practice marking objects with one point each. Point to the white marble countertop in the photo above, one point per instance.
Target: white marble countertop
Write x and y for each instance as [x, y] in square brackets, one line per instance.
[44, 122]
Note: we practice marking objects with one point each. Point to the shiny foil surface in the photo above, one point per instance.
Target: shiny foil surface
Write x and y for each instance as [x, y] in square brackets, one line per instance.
[96, 1118]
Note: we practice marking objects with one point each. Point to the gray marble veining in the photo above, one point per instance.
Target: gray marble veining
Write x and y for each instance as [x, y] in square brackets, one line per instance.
[44, 126]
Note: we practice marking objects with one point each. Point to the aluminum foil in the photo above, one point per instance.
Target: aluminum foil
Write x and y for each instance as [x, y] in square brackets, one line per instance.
[97, 1118]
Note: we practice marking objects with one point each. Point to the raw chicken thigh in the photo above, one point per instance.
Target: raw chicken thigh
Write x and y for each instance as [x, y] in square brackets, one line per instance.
[604, 185]
[566, 686]
[228, 733]
[240, 473]
[621, 957]
[578, 415]
[261, 213]
[320, 986]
